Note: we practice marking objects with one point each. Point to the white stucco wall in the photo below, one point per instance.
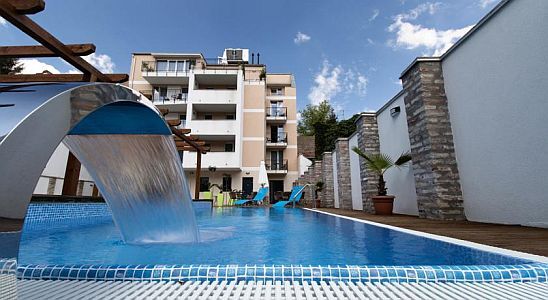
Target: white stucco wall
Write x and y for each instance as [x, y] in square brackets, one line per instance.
[336, 202]
[497, 87]
[56, 168]
[304, 164]
[355, 176]
[394, 140]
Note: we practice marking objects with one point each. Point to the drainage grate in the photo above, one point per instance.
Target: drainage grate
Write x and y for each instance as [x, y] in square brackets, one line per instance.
[59, 289]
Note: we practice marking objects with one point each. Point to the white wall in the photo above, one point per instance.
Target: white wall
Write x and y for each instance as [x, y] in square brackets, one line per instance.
[56, 168]
[355, 176]
[394, 140]
[497, 85]
[304, 164]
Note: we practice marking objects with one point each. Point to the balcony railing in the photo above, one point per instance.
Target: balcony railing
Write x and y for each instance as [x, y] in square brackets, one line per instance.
[276, 111]
[280, 138]
[153, 68]
[171, 96]
[276, 165]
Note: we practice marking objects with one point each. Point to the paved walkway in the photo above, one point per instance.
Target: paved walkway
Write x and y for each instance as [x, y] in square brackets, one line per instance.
[525, 239]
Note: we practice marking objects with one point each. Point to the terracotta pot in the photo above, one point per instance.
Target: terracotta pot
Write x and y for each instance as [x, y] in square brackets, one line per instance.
[383, 204]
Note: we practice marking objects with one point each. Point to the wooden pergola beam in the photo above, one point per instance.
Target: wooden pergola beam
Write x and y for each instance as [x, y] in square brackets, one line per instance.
[116, 78]
[35, 31]
[190, 148]
[173, 122]
[41, 51]
[185, 144]
[27, 7]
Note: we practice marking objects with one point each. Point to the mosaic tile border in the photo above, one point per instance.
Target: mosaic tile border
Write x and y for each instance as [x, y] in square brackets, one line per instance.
[409, 274]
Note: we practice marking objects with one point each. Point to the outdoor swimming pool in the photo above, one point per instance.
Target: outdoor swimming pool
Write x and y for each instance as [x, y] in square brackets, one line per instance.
[84, 238]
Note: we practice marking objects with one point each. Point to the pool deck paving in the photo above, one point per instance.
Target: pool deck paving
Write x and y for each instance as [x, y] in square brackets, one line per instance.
[514, 237]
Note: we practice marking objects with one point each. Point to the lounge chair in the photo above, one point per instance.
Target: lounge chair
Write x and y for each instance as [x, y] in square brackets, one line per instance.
[261, 194]
[296, 194]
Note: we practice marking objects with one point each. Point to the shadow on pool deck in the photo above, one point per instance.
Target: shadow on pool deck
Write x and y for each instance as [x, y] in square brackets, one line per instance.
[526, 239]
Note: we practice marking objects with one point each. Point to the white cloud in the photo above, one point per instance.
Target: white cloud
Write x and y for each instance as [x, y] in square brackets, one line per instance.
[370, 41]
[3, 22]
[375, 14]
[485, 3]
[34, 66]
[102, 62]
[301, 38]
[326, 83]
[361, 84]
[331, 81]
[412, 36]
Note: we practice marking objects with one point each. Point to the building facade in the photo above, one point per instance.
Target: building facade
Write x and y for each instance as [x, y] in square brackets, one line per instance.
[242, 113]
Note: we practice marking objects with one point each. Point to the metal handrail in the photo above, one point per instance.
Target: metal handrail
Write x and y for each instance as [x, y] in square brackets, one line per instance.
[276, 111]
[151, 68]
[276, 165]
[281, 138]
[172, 96]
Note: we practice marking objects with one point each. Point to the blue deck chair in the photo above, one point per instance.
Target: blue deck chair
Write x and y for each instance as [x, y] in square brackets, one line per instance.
[296, 194]
[261, 194]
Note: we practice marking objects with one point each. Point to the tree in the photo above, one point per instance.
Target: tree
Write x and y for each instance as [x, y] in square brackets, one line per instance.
[321, 121]
[312, 115]
[10, 65]
[379, 163]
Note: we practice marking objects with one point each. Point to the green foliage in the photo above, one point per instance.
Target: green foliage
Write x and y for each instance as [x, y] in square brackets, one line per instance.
[379, 163]
[10, 65]
[321, 121]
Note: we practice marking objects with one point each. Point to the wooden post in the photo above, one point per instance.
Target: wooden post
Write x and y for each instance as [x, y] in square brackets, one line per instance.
[95, 192]
[72, 175]
[198, 171]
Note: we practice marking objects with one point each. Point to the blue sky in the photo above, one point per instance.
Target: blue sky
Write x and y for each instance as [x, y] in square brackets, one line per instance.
[350, 52]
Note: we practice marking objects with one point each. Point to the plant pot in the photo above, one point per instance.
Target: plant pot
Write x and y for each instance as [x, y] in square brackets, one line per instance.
[383, 204]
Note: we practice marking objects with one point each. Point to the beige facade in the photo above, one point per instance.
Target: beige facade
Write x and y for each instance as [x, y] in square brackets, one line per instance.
[243, 114]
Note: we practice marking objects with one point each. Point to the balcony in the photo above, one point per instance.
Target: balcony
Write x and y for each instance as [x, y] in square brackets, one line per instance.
[166, 72]
[276, 114]
[166, 96]
[212, 96]
[277, 141]
[214, 127]
[226, 161]
[276, 166]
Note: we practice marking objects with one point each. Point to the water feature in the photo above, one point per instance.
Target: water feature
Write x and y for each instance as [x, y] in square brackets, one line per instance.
[142, 180]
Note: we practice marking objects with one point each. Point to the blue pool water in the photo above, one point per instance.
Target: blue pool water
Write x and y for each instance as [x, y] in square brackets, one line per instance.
[239, 236]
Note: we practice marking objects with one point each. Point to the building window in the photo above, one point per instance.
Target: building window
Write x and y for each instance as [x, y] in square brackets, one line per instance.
[230, 117]
[182, 117]
[276, 91]
[208, 117]
[229, 147]
[204, 184]
[227, 183]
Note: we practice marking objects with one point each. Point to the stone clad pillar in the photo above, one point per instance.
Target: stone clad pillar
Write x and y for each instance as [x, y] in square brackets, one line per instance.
[343, 173]
[439, 194]
[328, 198]
[368, 141]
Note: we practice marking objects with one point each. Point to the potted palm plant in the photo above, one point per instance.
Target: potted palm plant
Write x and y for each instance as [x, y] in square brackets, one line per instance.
[379, 164]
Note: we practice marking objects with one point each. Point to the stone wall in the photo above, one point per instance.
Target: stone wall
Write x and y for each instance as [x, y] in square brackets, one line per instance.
[343, 173]
[437, 184]
[306, 145]
[327, 198]
[368, 141]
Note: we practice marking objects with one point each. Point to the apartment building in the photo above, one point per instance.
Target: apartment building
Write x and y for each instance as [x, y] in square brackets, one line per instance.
[244, 114]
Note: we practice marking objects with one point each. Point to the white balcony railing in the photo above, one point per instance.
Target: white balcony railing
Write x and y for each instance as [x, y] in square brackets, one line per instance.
[214, 127]
[220, 160]
[215, 96]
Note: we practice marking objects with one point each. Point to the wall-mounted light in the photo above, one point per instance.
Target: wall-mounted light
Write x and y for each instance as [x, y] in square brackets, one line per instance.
[247, 173]
[394, 111]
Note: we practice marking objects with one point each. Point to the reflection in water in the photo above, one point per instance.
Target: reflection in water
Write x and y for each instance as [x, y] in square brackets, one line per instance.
[141, 179]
